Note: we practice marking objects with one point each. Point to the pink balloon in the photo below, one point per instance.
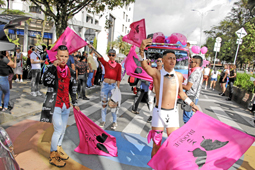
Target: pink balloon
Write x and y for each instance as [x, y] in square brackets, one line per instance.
[204, 50]
[172, 39]
[181, 38]
[158, 37]
[195, 49]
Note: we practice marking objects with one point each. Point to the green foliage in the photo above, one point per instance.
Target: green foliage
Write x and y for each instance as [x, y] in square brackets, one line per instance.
[241, 16]
[95, 43]
[119, 44]
[13, 12]
[243, 81]
[68, 8]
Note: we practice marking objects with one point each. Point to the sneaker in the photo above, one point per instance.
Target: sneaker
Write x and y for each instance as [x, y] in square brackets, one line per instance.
[149, 120]
[220, 93]
[102, 124]
[210, 88]
[21, 80]
[17, 80]
[213, 89]
[114, 125]
[56, 160]
[205, 88]
[38, 93]
[85, 98]
[228, 99]
[135, 112]
[33, 94]
[223, 94]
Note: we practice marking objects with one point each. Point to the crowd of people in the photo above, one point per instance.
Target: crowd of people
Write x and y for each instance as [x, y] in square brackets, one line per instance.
[72, 74]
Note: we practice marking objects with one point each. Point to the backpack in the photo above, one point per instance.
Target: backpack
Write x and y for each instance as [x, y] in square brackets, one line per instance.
[132, 81]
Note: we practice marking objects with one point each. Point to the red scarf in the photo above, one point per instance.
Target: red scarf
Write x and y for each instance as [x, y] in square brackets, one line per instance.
[112, 63]
[193, 69]
[62, 71]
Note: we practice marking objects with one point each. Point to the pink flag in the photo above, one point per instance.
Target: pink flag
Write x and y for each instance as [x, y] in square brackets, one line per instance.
[203, 143]
[52, 55]
[71, 40]
[205, 62]
[133, 66]
[93, 139]
[136, 34]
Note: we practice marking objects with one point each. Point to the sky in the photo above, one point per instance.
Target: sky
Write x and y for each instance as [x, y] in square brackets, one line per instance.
[176, 16]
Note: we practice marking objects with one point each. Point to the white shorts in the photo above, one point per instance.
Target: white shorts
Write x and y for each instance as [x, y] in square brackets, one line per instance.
[165, 118]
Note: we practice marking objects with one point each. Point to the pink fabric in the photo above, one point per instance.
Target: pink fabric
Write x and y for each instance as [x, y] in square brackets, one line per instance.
[158, 37]
[156, 136]
[202, 143]
[205, 62]
[181, 38]
[71, 40]
[136, 34]
[52, 55]
[133, 66]
[112, 63]
[93, 139]
[62, 71]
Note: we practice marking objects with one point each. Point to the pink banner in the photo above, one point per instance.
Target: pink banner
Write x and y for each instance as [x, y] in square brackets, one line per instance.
[205, 62]
[93, 139]
[133, 66]
[136, 34]
[52, 55]
[203, 143]
[71, 40]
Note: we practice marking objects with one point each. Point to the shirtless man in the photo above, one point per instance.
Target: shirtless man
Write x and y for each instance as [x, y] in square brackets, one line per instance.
[165, 113]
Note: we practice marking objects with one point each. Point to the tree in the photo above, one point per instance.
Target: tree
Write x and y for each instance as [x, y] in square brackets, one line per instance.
[66, 9]
[123, 47]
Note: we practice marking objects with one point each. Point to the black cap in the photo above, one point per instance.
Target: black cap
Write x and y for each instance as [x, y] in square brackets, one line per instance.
[112, 51]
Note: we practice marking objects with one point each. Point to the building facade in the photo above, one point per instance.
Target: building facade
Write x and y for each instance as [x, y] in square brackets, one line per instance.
[85, 24]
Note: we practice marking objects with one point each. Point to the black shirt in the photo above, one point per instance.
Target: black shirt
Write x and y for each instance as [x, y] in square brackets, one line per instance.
[232, 73]
[4, 68]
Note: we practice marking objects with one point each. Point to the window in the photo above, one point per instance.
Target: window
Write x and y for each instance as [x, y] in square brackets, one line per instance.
[126, 18]
[122, 28]
[34, 9]
[125, 30]
[96, 22]
[123, 15]
[129, 9]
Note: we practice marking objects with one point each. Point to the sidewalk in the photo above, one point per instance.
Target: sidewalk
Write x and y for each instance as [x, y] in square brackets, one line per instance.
[25, 104]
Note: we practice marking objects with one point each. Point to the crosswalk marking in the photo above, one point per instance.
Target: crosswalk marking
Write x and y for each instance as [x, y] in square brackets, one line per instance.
[244, 115]
[137, 124]
[223, 117]
[123, 108]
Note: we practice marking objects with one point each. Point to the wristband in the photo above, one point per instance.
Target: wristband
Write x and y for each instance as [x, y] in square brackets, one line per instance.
[140, 57]
[188, 101]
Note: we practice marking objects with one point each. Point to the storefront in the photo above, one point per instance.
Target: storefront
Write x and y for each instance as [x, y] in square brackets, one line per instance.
[32, 40]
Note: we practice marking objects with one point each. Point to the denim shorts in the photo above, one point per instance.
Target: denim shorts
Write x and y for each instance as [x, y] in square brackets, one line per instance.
[106, 91]
[213, 79]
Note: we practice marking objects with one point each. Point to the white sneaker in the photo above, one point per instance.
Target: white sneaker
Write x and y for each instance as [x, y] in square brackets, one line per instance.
[21, 80]
[38, 93]
[33, 94]
[212, 89]
[114, 125]
[17, 80]
[205, 88]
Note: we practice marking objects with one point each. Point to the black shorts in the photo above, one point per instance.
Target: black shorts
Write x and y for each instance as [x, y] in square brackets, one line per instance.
[222, 81]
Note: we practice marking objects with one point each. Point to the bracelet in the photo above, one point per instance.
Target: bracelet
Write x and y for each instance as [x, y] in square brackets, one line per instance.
[188, 101]
[192, 105]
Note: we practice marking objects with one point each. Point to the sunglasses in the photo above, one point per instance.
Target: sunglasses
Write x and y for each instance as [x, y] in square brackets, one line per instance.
[159, 61]
[192, 62]
[111, 55]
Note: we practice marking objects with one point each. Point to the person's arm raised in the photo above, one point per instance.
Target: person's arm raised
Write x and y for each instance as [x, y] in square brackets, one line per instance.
[149, 70]
[95, 51]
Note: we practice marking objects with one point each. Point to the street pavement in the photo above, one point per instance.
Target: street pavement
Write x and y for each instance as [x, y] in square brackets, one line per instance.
[32, 138]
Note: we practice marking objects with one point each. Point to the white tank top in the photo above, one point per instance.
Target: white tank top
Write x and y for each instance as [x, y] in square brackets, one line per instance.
[206, 71]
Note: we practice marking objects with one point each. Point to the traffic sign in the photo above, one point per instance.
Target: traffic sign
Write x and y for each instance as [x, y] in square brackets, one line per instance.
[239, 41]
[241, 33]
[217, 47]
[218, 39]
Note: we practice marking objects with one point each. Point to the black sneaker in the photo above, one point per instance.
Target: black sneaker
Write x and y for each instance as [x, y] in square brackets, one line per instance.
[220, 93]
[149, 120]
[85, 98]
[223, 94]
[228, 99]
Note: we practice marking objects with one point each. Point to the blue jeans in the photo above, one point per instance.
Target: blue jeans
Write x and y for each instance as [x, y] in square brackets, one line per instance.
[102, 77]
[90, 76]
[105, 94]
[4, 89]
[59, 120]
[188, 115]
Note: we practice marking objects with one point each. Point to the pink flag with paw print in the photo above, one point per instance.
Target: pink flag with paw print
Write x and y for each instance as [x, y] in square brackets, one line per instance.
[203, 143]
[137, 33]
[93, 139]
[70, 39]
[133, 66]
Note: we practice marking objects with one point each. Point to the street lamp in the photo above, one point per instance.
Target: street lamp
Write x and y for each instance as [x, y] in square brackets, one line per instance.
[202, 15]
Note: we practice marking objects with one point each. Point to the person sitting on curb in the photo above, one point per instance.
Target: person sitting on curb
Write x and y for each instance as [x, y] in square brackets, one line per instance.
[60, 80]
